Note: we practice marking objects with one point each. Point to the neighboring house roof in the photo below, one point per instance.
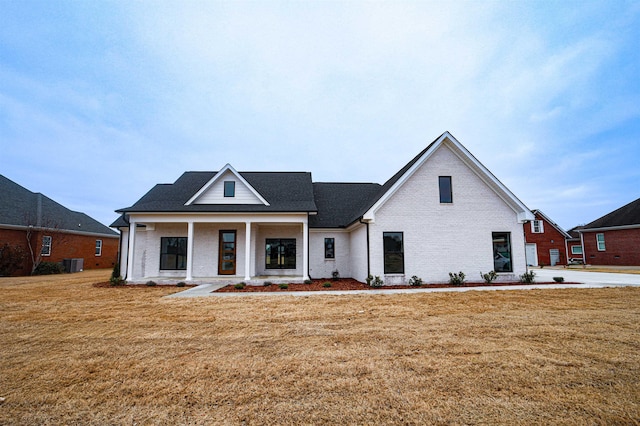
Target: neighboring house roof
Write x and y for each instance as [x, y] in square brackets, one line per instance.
[625, 216]
[22, 208]
[284, 191]
[574, 233]
[550, 222]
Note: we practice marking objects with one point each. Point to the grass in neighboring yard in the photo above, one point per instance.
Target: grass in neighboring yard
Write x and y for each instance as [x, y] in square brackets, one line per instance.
[71, 353]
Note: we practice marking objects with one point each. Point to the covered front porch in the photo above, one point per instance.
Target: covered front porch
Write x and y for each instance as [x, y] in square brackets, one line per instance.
[218, 247]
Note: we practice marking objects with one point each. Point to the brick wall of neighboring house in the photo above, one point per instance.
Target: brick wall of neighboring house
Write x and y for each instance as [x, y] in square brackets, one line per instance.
[64, 246]
[550, 239]
[622, 248]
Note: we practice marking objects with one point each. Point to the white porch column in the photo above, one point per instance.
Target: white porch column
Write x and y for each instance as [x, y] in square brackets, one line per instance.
[305, 250]
[247, 251]
[189, 250]
[132, 237]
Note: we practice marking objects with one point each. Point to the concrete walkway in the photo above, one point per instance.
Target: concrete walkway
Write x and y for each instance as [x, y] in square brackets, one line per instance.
[586, 280]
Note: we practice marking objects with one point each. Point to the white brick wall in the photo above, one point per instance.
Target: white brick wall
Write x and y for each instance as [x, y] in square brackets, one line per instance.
[319, 267]
[442, 238]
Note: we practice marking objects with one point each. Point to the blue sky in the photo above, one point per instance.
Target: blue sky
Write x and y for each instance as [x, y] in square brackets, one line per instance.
[99, 101]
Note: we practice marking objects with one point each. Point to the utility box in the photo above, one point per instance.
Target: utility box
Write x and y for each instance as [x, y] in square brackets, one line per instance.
[73, 265]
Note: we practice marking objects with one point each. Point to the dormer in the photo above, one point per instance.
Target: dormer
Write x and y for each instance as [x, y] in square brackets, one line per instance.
[227, 187]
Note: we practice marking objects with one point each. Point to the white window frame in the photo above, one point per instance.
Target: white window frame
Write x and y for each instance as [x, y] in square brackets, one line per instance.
[575, 249]
[98, 248]
[540, 226]
[47, 240]
[600, 242]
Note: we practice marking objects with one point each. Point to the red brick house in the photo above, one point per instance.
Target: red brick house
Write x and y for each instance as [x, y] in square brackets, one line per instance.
[545, 242]
[34, 229]
[613, 239]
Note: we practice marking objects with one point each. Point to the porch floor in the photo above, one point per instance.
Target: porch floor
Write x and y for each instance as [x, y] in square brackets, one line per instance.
[257, 280]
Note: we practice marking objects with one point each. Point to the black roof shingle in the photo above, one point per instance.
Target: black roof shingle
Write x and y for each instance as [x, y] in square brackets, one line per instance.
[624, 216]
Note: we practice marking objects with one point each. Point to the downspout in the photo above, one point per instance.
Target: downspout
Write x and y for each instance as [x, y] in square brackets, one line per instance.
[368, 245]
[524, 237]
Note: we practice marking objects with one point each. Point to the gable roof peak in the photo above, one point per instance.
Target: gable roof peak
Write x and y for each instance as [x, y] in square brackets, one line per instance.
[228, 168]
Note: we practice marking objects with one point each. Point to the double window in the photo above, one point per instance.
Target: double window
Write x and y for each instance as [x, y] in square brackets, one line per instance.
[329, 248]
[98, 247]
[502, 252]
[537, 227]
[600, 242]
[280, 253]
[393, 244]
[173, 253]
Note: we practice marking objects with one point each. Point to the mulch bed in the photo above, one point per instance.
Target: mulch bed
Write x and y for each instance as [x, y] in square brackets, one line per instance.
[351, 284]
[108, 284]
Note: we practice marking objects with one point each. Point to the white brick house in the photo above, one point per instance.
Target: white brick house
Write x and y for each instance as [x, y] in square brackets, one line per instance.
[443, 212]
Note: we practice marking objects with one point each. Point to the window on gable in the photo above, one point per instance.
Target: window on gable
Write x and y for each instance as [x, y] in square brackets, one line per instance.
[537, 227]
[173, 253]
[446, 189]
[329, 248]
[46, 246]
[600, 242]
[393, 252]
[229, 188]
[502, 252]
[98, 247]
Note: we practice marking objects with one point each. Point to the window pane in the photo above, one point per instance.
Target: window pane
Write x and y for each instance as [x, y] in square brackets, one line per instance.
[446, 193]
[600, 242]
[98, 247]
[393, 253]
[173, 253]
[502, 252]
[229, 188]
[280, 253]
[576, 250]
[329, 248]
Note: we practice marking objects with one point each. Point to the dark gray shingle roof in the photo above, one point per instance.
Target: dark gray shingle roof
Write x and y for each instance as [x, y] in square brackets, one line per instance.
[341, 204]
[624, 216]
[21, 207]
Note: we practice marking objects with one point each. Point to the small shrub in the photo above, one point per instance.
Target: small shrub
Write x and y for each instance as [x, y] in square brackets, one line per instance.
[116, 281]
[376, 282]
[335, 275]
[456, 279]
[151, 283]
[415, 281]
[283, 286]
[267, 283]
[239, 286]
[489, 277]
[558, 279]
[181, 284]
[326, 284]
[528, 277]
[48, 268]
[369, 280]
[308, 281]
[115, 273]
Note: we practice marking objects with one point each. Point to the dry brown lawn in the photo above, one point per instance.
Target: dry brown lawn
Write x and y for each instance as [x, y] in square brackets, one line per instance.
[71, 353]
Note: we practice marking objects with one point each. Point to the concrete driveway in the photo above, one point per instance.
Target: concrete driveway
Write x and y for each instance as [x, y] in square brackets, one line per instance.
[600, 279]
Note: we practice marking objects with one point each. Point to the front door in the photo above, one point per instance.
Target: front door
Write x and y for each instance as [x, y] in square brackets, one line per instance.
[227, 253]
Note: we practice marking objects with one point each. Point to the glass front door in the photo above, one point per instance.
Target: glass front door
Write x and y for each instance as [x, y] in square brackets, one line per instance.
[227, 253]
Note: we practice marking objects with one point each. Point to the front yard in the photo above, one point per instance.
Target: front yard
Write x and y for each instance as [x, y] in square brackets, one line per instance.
[72, 353]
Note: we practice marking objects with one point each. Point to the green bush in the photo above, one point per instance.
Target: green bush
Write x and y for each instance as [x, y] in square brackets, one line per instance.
[456, 279]
[415, 281]
[308, 281]
[239, 286]
[558, 279]
[489, 277]
[377, 282]
[116, 280]
[326, 284]
[283, 286]
[267, 283]
[528, 277]
[48, 268]
[181, 284]
[151, 283]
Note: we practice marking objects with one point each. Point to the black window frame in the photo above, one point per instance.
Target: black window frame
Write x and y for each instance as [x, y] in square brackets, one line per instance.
[392, 255]
[288, 249]
[229, 188]
[445, 188]
[329, 248]
[500, 253]
[179, 260]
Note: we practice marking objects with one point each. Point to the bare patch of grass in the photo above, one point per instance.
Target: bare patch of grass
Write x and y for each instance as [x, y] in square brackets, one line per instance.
[72, 353]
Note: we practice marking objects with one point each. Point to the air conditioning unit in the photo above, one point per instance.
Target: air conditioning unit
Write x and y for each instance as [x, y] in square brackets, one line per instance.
[73, 265]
